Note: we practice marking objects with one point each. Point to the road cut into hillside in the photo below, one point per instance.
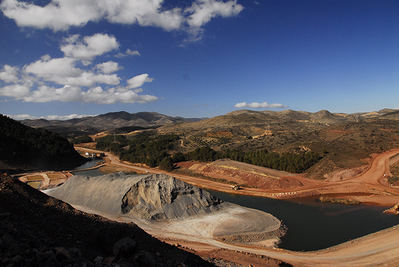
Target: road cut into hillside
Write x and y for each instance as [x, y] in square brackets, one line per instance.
[369, 187]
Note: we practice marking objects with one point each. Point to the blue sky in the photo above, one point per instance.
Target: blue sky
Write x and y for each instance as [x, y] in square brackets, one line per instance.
[197, 58]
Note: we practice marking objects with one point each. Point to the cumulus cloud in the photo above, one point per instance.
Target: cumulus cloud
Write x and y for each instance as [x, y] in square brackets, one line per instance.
[258, 105]
[112, 95]
[139, 80]
[16, 91]
[108, 67]
[9, 74]
[128, 52]
[64, 71]
[202, 11]
[66, 80]
[48, 68]
[63, 14]
[48, 117]
[88, 47]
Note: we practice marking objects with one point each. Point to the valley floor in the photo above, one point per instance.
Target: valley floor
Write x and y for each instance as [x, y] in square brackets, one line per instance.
[370, 187]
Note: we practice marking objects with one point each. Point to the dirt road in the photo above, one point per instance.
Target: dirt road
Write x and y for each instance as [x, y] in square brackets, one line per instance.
[368, 187]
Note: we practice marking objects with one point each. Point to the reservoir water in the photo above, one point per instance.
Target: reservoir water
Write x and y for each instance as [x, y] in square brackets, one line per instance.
[88, 164]
[314, 225]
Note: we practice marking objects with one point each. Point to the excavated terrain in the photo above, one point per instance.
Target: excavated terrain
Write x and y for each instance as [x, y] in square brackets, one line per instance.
[168, 208]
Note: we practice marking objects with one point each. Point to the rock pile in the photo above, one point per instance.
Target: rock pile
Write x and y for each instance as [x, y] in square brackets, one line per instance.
[149, 197]
[158, 197]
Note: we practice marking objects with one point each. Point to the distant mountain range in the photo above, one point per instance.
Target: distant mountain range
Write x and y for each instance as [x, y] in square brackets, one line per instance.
[257, 118]
[122, 119]
[108, 121]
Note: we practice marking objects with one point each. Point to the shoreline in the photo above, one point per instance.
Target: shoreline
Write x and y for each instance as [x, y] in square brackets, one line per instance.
[368, 182]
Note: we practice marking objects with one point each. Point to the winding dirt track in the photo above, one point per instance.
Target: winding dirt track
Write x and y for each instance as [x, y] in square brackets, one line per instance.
[369, 187]
[381, 248]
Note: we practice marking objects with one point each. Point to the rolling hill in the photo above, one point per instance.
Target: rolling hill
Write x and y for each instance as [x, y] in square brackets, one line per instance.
[23, 147]
[342, 139]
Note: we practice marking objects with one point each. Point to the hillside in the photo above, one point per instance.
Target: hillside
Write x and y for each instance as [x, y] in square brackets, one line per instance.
[23, 147]
[342, 139]
[108, 121]
[37, 230]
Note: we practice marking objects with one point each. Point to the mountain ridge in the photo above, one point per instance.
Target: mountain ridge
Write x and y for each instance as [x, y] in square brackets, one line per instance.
[107, 121]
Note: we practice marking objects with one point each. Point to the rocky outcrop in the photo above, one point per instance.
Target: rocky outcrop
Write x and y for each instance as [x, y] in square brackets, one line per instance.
[158, 197]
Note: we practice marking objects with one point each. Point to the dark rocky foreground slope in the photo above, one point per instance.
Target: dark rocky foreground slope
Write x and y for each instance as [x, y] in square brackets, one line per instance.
[38, 230]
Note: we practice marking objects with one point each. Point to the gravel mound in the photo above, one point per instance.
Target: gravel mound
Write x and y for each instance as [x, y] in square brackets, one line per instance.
[158, 197]
[150, 197]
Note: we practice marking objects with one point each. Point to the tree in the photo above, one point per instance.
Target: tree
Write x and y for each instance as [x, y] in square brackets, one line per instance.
[166, 164]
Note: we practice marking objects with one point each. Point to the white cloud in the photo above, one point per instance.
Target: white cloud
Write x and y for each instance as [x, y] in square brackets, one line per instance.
[202, 11]
[63, 14]
[89, 47]
[48, 117]
[88, 79]
[64, 71]
[258, 105]
[16, 91]
[112, 95]
[144, 13]
[65, 80]
[46, 94]
[132, 52]
[128, 52]
[139, 80]
[48, 68]
[75, 94]
[108, 67]
[9, 74]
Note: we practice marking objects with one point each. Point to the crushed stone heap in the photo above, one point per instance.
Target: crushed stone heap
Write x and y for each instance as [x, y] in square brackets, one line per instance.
[150, 197]
[164, 197]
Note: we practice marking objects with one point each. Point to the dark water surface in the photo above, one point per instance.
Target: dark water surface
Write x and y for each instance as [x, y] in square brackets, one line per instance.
[87, 165]
[314, 225]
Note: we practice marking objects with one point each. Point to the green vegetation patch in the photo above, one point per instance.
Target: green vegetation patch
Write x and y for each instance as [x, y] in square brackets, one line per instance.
[146, 148]
[160, 150]
[291, 162]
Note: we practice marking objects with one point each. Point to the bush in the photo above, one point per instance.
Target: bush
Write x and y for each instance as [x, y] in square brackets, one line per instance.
[166, 164]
